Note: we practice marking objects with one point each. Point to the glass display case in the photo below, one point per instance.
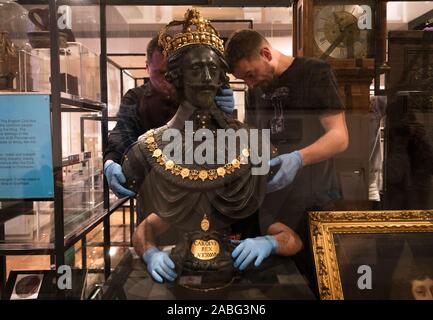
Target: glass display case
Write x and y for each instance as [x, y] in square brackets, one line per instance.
[59, 225]
[79, 71]
[114, 87]
[277, 279]
[124, 70]
[33, 224]
[82, 181]
[72, 76]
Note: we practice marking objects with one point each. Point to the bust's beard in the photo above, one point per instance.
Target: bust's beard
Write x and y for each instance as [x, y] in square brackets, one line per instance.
[205, 101]
[202, 97]
[268, 84]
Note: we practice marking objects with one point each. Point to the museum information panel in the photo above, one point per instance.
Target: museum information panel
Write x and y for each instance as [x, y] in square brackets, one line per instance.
[25, 146]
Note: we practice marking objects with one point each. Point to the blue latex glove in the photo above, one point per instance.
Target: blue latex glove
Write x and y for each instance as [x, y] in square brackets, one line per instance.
[115, 178]
[290, 165]
[226, 101]
[159, 265]
[250, 249]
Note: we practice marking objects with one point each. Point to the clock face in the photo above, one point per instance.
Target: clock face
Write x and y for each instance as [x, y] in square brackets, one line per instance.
[336, 32]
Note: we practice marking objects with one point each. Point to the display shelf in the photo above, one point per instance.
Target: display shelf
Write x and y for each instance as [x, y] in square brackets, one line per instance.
[27, 231]
[79, 104]
[75, 230]
[76, 158]
[81, 230]
[36, 230]
[82, 190]
[20, 249]
[81, 224]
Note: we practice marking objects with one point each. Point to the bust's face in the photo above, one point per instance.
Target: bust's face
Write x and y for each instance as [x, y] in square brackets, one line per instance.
[201, 76]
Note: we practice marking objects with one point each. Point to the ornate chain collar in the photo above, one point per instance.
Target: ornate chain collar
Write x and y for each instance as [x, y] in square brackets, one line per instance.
[186, 173]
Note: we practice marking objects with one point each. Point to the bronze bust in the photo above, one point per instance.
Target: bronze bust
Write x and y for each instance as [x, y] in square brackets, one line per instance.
[201, 200]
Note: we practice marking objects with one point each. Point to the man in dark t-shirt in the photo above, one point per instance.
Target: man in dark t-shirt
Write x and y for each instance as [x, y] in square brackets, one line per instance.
[297, 99]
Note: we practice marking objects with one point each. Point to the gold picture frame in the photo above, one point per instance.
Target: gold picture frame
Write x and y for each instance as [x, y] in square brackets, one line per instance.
[325, 225]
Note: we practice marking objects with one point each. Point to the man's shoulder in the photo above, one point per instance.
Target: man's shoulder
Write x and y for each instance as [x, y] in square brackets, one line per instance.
[303, 69]
[310, 63]
[133, 96]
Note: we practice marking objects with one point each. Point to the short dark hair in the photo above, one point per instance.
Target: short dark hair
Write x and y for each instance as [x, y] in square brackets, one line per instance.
[243, 44]
[152, 47]
[174, 73]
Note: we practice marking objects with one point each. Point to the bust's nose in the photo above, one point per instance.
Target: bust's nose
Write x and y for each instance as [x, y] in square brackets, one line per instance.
[206, 74]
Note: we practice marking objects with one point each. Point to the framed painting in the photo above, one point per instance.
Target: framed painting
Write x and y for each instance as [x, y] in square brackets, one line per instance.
[373, 254]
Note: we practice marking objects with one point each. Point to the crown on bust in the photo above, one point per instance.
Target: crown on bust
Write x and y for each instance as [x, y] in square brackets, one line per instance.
[195, 30]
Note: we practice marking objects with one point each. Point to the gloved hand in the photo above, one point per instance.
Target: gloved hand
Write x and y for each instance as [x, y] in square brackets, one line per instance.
[115, 178]
[290, 165]
[226, 101]
[159, 265]
[257, 248]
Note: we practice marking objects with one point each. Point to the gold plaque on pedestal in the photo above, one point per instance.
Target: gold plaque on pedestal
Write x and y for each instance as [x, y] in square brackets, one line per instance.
[205, 249]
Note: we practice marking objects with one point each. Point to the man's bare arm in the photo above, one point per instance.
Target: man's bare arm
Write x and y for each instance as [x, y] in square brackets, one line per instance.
[145, 235]
[335, 139]
[289, 242]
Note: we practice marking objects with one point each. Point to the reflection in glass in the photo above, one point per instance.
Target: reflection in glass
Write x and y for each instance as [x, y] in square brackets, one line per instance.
[398, 263]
